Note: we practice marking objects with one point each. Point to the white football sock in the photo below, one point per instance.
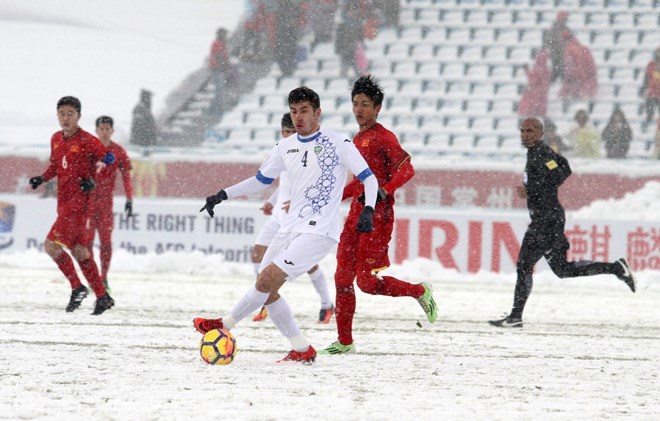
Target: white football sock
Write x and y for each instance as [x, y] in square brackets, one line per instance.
[255, 267]
[321, 287]
[282, 317]
[251, 301]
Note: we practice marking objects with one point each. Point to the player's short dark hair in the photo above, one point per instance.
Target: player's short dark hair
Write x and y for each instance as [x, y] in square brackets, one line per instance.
[303, 94]
[367, 85]
[69, 100]
[104, 119]
[286, 121]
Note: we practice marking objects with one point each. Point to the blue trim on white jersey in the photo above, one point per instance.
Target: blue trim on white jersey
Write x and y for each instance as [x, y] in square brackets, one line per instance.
[263, 178]
[364, 174]
[309, 139]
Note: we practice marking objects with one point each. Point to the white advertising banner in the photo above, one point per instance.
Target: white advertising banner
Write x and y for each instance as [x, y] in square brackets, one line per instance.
[467, 240]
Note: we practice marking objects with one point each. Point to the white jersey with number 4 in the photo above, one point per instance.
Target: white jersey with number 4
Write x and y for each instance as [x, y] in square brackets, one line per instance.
[317, 169]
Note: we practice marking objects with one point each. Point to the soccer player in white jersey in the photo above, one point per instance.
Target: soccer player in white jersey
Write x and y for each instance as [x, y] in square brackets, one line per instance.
[317, 161]
[277, 207]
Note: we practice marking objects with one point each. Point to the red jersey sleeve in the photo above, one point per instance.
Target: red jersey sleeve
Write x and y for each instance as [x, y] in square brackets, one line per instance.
[401, 169]
[125, 167]
[51, 171]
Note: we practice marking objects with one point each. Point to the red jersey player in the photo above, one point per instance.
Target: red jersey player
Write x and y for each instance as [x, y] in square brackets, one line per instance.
[363, 255]
[106, 177]
[74, 156]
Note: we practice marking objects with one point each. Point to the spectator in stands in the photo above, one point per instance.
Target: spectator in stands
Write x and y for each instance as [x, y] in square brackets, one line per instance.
[320, 13]
[534, 100]
[143, 129]
[617, 135]
[580, 80]
[220, 68]
[584, 137]
[557, 36]
[349, 38]
[651, 87]
[552, 138]
[287, 33]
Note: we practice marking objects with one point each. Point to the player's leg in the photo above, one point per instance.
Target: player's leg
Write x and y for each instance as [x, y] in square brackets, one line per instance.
[317, 276]
[82, 236]
[372, 256]
[344, 292]
[65, 264]
[105, 226]
[531, 251]
[264, 238]
[564, 269]
[303, 251]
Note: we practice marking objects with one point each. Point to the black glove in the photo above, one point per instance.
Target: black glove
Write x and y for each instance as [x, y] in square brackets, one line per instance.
[379, 197]
[366, 221]
[211, 201]
[128, 207]
[36, 181]
[87, 184]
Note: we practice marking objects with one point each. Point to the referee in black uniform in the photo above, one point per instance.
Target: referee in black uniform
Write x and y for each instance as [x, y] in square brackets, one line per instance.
[545, 171]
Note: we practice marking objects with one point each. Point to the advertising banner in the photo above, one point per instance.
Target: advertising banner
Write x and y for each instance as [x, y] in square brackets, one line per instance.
[468, 240]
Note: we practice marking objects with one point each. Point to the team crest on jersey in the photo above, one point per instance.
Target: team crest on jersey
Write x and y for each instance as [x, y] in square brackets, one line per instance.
[318, 149]
[365, 143]
[75, 149]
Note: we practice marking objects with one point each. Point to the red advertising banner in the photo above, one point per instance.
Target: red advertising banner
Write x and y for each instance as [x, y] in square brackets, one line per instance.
[432, 188]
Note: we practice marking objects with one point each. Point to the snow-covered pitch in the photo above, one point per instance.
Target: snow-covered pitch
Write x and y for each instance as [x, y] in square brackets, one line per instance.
[589, 349]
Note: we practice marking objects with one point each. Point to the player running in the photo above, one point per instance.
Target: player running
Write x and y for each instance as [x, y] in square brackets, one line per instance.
[317, 160]
[74, 155]
[363, 255]
[277, 207]
[102, 195]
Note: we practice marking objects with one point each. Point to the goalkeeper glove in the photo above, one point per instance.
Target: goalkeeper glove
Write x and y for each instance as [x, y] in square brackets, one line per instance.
[213, 200]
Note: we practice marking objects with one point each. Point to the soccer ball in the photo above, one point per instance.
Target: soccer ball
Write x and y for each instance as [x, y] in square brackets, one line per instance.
[218, 347]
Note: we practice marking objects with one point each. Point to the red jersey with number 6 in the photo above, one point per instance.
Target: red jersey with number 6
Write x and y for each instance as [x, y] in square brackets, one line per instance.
[72, 159]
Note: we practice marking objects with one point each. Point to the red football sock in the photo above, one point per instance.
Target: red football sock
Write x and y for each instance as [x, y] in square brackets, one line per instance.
[91, 272]
[387, 285]
[105, 256]
[344, 311]
[65, 263]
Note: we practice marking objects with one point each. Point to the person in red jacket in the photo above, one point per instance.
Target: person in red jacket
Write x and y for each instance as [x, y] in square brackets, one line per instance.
[534, 100]
[580, 78]
[363, 255]
[651, 87]
[74, 156]
[102, 195]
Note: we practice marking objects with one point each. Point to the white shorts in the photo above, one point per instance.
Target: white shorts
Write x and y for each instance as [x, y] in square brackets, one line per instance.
[268, 231]
[296, 253]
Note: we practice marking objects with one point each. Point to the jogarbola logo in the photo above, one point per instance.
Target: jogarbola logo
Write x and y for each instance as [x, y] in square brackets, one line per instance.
[318, 149]
[7, 214]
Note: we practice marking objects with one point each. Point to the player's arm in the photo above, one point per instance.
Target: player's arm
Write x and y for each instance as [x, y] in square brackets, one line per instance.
[125, 169]
[359, 167]
[50, 172]
[269, 170]
[403, 173]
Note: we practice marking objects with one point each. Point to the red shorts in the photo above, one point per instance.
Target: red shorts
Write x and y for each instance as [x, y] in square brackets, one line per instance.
[366, 251]
[71, 229]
